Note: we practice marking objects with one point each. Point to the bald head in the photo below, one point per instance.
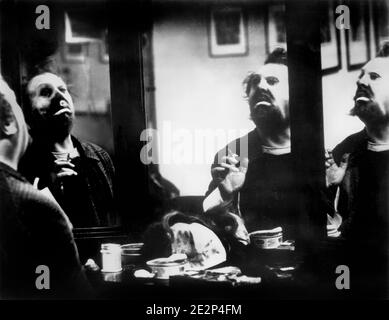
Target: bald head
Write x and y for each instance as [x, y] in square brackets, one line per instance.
[52, 109]
[43, 78]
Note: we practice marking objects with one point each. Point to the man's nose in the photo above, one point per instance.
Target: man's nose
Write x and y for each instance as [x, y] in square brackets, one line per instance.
[58, 95]
[262, 84]
[363, 81]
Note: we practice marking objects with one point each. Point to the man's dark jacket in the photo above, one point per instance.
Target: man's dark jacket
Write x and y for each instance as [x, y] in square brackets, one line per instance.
[34, 231]
[96, 184]
[364, 206]
[364, 191]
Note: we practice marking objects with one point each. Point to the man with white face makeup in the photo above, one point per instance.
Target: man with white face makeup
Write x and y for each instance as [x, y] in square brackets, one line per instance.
[79, 174]
[364, 201]
[34, 230]
[259, 181]
[364, 181]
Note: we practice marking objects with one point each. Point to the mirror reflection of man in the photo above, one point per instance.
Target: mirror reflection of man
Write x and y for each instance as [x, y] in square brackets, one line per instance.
[260, 183]
[79, 174]
[364, 181]
[33, 229]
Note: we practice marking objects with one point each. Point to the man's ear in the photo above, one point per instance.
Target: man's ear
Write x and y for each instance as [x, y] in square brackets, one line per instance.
[8, 126]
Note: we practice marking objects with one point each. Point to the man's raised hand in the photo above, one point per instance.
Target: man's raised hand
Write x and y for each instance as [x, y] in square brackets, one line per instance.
[335, 173]
[62, 169]
[228, 176]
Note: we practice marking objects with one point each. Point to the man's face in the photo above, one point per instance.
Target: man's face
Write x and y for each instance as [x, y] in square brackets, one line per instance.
[268, 96]
[372, 95]
[22, 137]
[52, 106]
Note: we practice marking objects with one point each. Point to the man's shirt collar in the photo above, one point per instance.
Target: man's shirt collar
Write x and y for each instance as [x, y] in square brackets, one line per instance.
[276, 151]
[377, 147]
[84, 149]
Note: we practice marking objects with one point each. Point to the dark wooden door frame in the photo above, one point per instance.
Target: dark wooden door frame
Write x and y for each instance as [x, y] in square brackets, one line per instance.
[306, 115]
[125, 27]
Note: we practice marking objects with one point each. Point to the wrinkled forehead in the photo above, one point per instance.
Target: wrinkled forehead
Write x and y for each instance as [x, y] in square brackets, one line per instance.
[274, 69]
[45, 78]
[378, 65]
[8, 93]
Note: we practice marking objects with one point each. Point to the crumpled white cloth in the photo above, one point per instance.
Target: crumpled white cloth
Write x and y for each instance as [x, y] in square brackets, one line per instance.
[202, 246]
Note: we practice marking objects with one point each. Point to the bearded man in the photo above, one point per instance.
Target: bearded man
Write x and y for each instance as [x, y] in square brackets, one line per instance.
[79, 174]
[363, 201]
[255, 172]
[364, 182]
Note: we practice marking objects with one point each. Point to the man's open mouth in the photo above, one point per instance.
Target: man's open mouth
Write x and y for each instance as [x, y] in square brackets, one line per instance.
[62, 108]
[263, 100]
[362, 95]
[263, 103]
[362, 99]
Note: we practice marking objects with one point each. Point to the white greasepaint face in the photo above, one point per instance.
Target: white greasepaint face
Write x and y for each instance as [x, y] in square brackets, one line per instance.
[372, 95]
[22, 136]
[269, 90]
[49, 96]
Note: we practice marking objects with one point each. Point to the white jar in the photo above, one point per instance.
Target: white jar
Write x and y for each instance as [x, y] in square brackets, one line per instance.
[111, 257]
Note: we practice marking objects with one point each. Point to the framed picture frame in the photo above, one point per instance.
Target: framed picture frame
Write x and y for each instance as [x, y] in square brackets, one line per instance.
[227, 32]
[331, 60]
[330, 35]
[275, 27]
[74, 52]
[358, 36]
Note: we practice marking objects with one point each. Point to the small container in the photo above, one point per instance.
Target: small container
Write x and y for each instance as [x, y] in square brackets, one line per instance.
[271, 242]
[267, 239]
[111, 257]
[164, 269]
[131, 253]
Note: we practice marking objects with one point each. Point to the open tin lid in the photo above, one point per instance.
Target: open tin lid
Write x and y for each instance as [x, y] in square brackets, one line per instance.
[173, 260]
[276, 232]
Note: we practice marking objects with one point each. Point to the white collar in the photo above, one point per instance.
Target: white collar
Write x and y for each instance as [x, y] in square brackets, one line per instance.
[276, 150]
[377, 147]
[68, 155]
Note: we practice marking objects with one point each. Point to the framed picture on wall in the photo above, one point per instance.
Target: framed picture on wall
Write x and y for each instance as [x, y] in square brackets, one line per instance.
[330, 39]
[74, 52]
[357, 37]
[227, 32]
[275, 27]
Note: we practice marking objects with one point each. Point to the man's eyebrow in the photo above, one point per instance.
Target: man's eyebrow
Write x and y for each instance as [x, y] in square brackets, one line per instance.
[254, 76]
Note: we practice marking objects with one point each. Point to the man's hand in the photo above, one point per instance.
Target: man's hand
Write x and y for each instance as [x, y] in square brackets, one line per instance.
[335, 173]
[228, 176]
[62, 169]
